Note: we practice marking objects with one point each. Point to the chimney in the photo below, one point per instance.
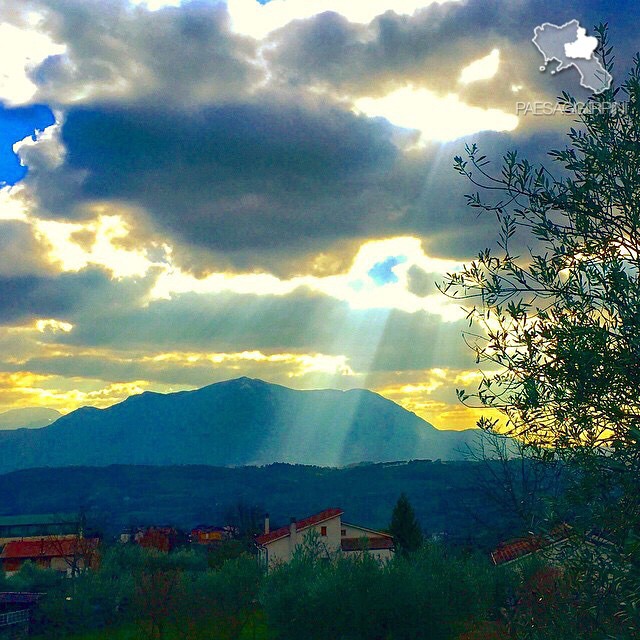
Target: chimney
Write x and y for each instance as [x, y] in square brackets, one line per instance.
[266, 523]
[292, 531]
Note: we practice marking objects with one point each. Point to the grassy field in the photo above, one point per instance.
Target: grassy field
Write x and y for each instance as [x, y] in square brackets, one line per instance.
[255, 630]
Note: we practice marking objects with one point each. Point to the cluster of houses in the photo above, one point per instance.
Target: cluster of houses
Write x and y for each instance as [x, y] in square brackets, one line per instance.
[49, 541]
[59, 542]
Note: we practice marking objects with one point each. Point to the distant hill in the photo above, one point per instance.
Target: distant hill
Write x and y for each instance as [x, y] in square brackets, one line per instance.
[234, 423]
[28, 418]
[446, 495]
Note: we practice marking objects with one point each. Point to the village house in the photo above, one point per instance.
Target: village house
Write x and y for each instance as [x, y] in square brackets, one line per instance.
[66, 555]
[207, 534]
[35, 527]
[334, 536]
[164, 538]
[553, 547]
[518, 549]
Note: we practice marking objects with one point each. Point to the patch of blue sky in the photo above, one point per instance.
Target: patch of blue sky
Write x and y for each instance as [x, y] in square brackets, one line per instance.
[382, 272]
[15, 125]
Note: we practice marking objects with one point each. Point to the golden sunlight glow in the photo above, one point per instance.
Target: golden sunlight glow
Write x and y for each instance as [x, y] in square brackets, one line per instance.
[301, 363]
[25, 389]
[53, 326]
[355, 287]
[100, 247]
[482, 69]
[12, 207]
[23, 51]
[428, 393]
[431, 396]
[438, 118]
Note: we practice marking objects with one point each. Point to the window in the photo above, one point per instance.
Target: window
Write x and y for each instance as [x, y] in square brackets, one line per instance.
[323, 531]
[343, 532]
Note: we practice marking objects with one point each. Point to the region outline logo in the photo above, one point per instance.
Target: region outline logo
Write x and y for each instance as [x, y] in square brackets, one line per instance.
[570, 46]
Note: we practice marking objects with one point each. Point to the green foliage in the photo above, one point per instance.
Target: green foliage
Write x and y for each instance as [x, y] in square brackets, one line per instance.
[218, 554]
[441, 493]
[431, 595]
[562, 324]
[435, 593]
[404, 527]
[224, 600]
[33, 578]
[559, 337]
[158, 595]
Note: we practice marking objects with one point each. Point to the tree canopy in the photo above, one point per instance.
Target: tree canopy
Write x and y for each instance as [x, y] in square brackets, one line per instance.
[555, 308]
[405, 528]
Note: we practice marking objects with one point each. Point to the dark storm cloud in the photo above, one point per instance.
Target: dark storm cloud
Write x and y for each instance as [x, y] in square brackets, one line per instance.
[181, 55]
[430, 48]
[23, 297]
[176, 127]
[253, 180]
[27, 297]
[20, 253]
[233, 176]
[439, 212]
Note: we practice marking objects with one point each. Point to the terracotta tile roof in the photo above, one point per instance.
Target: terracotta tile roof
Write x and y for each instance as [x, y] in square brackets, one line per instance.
[282, 532]
[207, 528]
[514, 549]
[45, 548]
[508, 551]
[372, 544]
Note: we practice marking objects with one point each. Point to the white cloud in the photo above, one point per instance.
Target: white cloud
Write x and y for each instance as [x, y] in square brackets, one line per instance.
[23, 50]
[439, 118]
[12, 204]
[251, 18]
[102, 249]
[47, 151]
[356, 287]
[154, 5]
[301, 363]
[53, 326]
[482, 69]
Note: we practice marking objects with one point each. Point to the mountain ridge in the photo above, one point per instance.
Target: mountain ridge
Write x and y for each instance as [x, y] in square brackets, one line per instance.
[237, 422]
[28, 418]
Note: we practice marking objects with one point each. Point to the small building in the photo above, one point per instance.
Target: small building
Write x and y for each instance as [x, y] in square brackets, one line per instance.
[554, 547]
[551, 544]
[334, 536]
[207, 534]
[66, 555]
[37, 526]
[164, 538]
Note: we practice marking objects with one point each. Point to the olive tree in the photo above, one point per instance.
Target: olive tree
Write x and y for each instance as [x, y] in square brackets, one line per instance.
[556, 326]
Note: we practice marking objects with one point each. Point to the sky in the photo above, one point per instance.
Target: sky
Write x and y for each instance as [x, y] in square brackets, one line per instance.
[197, 191]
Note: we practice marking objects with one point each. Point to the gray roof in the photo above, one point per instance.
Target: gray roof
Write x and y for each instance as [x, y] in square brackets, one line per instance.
[39, 518]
